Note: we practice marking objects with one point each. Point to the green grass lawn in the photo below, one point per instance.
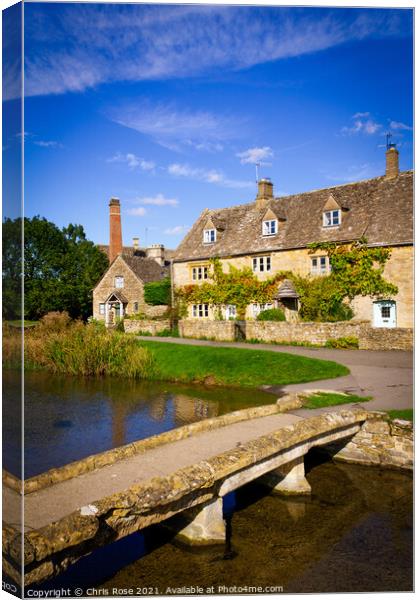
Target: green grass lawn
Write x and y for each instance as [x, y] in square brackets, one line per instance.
[320, 399]
[407, 414]
[18, 323]
[237, 367]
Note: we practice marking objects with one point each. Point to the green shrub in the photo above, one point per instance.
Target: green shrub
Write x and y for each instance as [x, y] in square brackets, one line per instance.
[271, 314]
[61, 345]
[158, 292]
[343, 342]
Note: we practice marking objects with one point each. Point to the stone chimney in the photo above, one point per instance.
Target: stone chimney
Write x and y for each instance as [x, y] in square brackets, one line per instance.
[157, 252]
[136, 241]
[115, 234]
[392, 166]
[265, 193]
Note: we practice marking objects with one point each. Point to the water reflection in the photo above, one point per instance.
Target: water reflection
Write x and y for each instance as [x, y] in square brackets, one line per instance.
[353, 534]
[67, 418]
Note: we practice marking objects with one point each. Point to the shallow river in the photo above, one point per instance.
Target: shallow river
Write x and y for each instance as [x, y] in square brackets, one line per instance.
[353, 534]
[68, 418]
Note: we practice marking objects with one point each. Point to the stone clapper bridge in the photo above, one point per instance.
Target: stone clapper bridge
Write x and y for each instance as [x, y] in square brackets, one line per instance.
[181, 475]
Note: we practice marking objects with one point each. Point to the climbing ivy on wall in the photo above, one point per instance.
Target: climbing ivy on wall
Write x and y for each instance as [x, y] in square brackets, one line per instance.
[356, 270]
[240, 287]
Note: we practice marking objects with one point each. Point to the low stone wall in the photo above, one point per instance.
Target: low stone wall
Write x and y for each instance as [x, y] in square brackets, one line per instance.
[213, 330]
[312, 333]
[375, 338]
[380, 442]
[146, 326]
[154, 311]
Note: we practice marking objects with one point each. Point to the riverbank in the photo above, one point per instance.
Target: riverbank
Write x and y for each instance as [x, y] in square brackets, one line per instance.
[62, 346]
[386, 375]
[236, 367]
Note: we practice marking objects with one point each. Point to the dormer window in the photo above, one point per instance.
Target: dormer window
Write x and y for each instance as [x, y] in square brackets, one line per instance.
[332, 218]
[209, 236]
[269, 227]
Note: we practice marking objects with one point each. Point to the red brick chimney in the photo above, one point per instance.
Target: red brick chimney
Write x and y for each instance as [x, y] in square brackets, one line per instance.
[115, 235]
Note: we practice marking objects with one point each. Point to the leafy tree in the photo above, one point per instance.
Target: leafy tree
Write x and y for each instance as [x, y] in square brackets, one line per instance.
[158, 292]
[12, 268]
[61, 268]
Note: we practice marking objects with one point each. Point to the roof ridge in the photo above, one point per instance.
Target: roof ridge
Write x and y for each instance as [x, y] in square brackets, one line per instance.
[333, 187]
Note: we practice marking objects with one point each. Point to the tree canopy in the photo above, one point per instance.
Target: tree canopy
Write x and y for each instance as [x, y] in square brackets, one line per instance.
[61, 267]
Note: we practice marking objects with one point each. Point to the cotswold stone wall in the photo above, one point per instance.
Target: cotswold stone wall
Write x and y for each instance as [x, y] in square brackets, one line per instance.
[382, 443]
[312, 333]
[146, 326]
[216, 330]
[372, 338]
[154, 311]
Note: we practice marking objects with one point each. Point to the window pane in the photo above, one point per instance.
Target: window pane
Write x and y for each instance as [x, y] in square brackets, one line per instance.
[268, 263]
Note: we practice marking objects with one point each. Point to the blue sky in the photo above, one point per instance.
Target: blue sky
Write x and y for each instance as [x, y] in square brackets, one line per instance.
[169, 107]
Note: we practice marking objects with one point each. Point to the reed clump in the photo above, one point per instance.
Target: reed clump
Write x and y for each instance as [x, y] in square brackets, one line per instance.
[61, 345]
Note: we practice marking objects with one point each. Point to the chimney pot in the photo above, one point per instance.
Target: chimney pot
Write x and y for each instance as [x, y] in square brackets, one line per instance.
[392, 163]
[115, 233]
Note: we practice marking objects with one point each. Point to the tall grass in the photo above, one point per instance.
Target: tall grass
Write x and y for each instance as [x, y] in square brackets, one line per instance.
[61, 345]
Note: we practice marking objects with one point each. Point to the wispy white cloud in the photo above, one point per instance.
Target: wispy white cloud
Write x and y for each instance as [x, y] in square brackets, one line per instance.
[255, 155]
[399, 125]
[208, 175]
[72, 49]
[158, 200]
[362, 123]
[352, 173]
[133, 161]
[140, 211]
[177, 230]
[48, 144]
[174, 128]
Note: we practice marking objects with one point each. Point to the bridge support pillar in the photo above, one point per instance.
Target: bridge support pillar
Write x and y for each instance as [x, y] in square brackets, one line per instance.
[202, 525]
[289, 478]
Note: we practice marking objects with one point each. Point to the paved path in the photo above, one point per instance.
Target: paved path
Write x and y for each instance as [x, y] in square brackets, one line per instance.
[386, 375]
[63, 498]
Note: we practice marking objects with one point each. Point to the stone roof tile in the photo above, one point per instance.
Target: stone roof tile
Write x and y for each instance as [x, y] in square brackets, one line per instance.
[379, 209]
[147, 269]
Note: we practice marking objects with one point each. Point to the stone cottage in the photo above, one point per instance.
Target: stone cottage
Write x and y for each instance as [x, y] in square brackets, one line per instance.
[272, 234]
[120, 291]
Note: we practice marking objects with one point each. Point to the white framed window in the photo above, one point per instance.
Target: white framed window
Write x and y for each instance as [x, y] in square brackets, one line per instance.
[199, 273]
[332, 218]
[230, 312]
[200, 310]
[102, 308]
[320, 265]
[119, 281]
[261, 263]
[269, 227]
[209, 236]
[257, 308]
